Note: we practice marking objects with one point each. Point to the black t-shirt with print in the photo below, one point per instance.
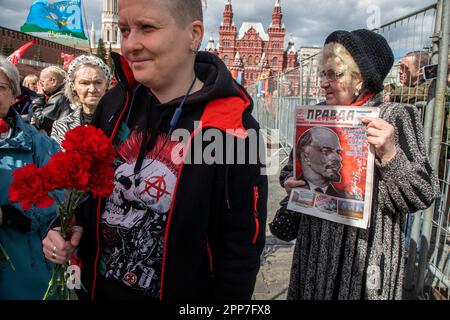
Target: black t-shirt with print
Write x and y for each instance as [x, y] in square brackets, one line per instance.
[135, 215]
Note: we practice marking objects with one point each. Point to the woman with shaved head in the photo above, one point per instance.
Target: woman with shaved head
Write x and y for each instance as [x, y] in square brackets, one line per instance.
[176, 226]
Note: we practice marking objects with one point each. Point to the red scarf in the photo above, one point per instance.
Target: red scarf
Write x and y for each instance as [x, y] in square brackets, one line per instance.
[363, 100]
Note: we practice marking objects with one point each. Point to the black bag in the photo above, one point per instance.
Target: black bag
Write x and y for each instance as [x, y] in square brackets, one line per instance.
[286, 222]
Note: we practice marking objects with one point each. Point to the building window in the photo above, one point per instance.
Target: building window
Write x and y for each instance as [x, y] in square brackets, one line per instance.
[225, 59]
[256, 60]
[250, 60]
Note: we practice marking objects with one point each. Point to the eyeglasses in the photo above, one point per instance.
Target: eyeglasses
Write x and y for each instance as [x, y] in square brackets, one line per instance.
[4, 88]
[331, 75]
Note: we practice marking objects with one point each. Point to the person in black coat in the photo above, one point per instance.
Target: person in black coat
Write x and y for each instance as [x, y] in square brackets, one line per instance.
[50, 103]
[186, 219]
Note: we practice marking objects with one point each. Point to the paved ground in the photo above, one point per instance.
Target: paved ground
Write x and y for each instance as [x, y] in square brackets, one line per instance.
[273, 277]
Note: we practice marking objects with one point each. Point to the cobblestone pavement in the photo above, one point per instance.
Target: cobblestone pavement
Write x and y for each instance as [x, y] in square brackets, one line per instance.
[273, 277]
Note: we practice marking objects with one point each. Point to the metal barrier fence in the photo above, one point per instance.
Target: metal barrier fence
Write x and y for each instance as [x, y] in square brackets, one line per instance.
[426, 31]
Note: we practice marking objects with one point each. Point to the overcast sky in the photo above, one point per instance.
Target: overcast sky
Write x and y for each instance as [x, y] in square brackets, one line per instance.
[308, 21]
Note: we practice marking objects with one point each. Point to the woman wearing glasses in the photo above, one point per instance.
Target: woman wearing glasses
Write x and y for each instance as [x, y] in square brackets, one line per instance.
[21, 232]
[336, 261]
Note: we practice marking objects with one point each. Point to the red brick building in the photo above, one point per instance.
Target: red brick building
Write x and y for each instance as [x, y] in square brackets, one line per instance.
[38, 56]
[255, 52]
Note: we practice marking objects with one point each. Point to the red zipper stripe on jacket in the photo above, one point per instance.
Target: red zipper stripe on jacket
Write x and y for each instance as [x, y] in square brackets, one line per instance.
[210, 257]
[169, 219]
[255, 212]
[97, 256]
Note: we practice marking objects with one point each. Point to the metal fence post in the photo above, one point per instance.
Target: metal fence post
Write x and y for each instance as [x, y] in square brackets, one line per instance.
[435, 147]
[412, 273]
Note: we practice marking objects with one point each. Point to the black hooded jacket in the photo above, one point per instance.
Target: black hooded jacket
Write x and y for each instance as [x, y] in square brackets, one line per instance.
[53, 106]
[215, 232]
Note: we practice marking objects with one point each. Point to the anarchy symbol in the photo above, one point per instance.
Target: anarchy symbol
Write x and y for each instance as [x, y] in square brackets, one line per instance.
[157, 183]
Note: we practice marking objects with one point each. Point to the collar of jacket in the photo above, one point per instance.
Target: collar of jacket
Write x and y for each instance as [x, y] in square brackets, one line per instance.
[75, 116]
[223, 113]
[57, 89]
[226, 114]
[123, 72]
[21, 137]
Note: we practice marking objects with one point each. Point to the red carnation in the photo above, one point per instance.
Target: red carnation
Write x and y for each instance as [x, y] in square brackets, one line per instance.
[89, 142]
[101, 183]
[77, 170]
[29, 187]
[4, 127]
[56, 171]
[84, 166]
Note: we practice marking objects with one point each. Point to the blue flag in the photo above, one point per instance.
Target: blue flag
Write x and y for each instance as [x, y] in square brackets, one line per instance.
[239, 77]
[58, 17]
[260, 87]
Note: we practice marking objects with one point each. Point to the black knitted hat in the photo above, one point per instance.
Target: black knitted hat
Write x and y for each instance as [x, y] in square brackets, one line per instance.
[371, 53]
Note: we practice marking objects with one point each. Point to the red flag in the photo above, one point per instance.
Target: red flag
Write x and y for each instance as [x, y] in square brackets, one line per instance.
[67, 59]
[16, 55]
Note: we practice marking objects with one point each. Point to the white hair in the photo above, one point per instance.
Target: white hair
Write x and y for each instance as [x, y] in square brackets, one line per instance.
[12, 74]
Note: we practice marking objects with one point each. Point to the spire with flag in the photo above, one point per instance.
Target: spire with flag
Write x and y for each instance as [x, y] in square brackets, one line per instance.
[237, 68]
[263, 81]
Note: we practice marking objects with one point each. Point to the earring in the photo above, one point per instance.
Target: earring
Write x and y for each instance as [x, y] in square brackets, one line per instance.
[357, 93]
[194, 51]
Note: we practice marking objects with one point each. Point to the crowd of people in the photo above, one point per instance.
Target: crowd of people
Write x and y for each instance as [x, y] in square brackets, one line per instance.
[201, 237]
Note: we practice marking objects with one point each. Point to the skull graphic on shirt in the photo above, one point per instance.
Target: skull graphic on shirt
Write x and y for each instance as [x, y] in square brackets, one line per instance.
[133, 222]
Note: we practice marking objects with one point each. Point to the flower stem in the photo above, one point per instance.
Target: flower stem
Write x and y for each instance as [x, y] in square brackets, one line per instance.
[7, 258]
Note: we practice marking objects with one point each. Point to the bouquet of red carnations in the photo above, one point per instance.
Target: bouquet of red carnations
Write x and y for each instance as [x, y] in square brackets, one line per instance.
[84, 166]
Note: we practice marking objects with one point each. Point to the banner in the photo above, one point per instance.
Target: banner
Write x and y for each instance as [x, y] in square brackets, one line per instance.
[59, 21]
[234, 73]
[16, 55]
[334, 159]
[67, 58]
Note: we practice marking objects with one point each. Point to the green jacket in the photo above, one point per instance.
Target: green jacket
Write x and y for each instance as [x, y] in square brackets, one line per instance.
[410, 95]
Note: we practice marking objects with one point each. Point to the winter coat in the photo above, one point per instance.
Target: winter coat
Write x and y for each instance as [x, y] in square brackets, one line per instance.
[46, 111]
[336, 261]
[24, 245]
[215, 232]
[60, 127]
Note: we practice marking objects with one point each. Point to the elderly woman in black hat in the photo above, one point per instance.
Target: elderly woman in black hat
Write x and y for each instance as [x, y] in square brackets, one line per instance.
[336, 261]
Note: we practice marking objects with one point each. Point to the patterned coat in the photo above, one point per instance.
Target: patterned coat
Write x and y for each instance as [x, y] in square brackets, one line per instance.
[60, 127]
[335, 261]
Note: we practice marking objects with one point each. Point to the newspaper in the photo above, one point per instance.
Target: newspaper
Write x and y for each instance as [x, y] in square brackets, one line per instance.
[333, 157]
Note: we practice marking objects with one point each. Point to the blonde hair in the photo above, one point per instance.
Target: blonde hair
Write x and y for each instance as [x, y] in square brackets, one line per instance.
[29, 79]
[57, 72]
[342, 60]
